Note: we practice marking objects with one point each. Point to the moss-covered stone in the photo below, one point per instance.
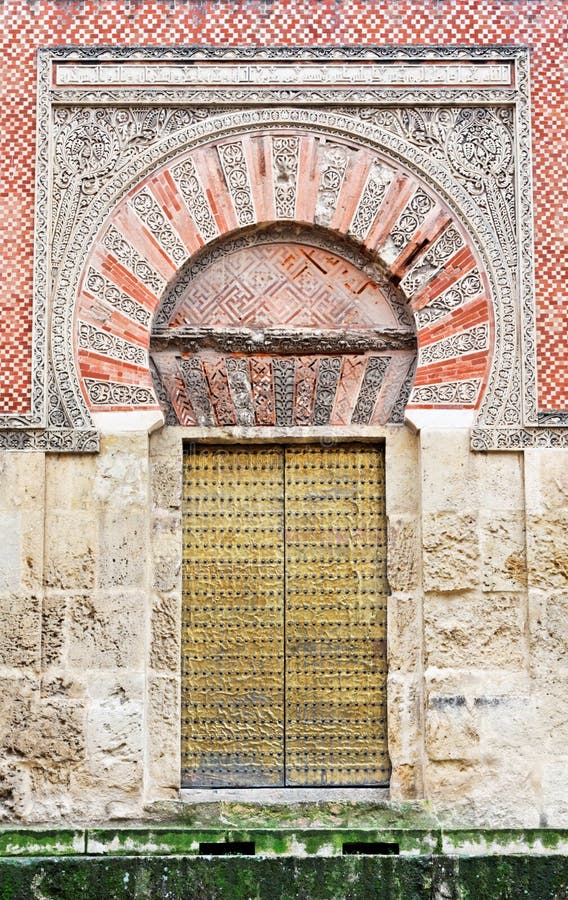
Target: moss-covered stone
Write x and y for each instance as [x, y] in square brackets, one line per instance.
[247, 878]
[268, 842]
[41, 842]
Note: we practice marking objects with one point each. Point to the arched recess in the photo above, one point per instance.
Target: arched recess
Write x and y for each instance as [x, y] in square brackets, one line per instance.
[286, 171]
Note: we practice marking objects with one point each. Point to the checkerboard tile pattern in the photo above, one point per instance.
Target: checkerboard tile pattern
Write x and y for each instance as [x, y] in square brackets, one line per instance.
[539, 24]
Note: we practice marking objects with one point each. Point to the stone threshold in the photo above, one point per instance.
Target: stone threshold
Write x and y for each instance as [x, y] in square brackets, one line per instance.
[281, 841]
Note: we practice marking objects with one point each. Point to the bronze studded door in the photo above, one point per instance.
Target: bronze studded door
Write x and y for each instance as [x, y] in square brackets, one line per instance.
[284, 614]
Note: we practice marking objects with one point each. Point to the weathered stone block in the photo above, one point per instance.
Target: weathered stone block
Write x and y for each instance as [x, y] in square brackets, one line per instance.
[451, 728]
[487, 631]
[15, 790]
[166, 475]
[497, 795]
[20, 636]
[501, 481]
[547, 550]
[114, 719]
[451, 551]
[406, 782]
[449, 471]
[53, 628]
[49, 734]
[11, 556]
[22, 480]
[59, 686]
[402, 473]
[106, 631]
[21, 554]
[69, 481]
[502, 538]
[17, 697]
[555, 791]
[471, 682]
[404, 552]
[167, 551]
[454, 478]
[122, 559]
[71, 550]
[550, 691]
[165, 649]
[32, 550]
[121, 477]
[548, 627]
[404, 632]
[164, 734]
[507, 724]
[404, 719]
[546, 479]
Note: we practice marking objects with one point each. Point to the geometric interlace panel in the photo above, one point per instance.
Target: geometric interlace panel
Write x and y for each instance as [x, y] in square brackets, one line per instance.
[284, 616]
[283, 334]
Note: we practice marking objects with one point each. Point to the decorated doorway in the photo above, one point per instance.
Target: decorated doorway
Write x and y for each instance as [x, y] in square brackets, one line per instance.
[284, 615]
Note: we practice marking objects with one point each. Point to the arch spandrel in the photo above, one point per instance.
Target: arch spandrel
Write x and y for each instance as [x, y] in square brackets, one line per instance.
[304, 178]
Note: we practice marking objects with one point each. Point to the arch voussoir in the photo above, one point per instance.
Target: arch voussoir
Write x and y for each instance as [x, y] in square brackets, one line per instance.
[253, 179]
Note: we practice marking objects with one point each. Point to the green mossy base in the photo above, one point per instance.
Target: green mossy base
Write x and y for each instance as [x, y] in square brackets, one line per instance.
[338, 878]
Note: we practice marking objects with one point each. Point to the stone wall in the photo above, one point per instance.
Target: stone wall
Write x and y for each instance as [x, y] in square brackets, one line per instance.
[478, 625]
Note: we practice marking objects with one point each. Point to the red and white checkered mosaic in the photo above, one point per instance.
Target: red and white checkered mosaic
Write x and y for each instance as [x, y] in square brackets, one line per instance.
[540, 25]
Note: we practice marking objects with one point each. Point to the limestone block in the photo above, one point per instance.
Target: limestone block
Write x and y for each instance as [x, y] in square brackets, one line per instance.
[451, 729]
[404, 719]
[546, 479]
[123, 548]
[481, 630]
[59, 686]
[166, 477]
[404, 632]
[50, 734]
[507, 724]
[121, 477]
[69, 481]
[555, 792]
[106, 631]
[21, 480]
[15, 789]
[402, 473]
[50, 798]
[70, 549]
[164, 733]
[104, 780]
[406, 782]
[547, 550]
[501, 481]
[470, 682]
[548, 628]
[454, 478]
[53, 628]
[18, 695]
[166, 442]
[499, 795]
[21, 554]
[32, 550]
[404, 551]
[114, 719]
[167, 540]
[165, 648]
[451, 551]
[449, 470]
[550, 692]
[20, 635]
[11, 556]
[502, 538]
